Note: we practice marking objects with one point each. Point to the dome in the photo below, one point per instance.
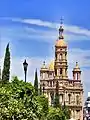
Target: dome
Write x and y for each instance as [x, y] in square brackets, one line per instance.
[61, 43]
[51, 66]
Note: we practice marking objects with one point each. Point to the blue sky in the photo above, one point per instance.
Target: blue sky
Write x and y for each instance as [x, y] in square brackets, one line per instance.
[31, 27]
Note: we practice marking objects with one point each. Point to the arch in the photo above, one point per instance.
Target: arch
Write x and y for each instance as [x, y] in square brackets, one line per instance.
[77, 99]
[69, 98]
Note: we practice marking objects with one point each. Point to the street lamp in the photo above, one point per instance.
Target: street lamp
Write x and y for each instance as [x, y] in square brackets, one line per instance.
[25, 65]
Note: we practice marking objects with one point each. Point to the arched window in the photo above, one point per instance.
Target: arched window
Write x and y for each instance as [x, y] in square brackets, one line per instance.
[50, 83]
[77, 99]
[61, 98]
[69, 98]
[56, 72]
[60, 70]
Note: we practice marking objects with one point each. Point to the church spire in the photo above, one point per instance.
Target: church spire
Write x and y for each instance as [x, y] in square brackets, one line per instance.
[61, 30]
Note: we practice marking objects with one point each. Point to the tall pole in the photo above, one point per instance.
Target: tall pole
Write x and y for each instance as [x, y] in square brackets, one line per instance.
[25, 65]
[25, 75]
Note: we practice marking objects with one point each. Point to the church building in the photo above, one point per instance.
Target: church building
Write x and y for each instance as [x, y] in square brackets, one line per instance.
[70, 90]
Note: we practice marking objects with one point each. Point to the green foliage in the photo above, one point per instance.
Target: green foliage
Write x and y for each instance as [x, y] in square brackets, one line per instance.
[0, 73]
[6, 67]
[55, 114]
[19, 102]
[36, 83]
[66, 111]
[40, 90]
[43, 103]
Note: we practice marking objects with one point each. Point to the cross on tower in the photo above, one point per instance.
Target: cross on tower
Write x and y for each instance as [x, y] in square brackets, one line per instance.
[61, 20]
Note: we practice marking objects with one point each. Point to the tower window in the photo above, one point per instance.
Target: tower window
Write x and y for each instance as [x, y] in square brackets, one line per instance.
[56, 56]
[77, 99]
[60, 70]
[69, 97]
[50, 83]
[55, 71]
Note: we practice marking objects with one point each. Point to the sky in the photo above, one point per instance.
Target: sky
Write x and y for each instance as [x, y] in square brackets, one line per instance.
[31, 28]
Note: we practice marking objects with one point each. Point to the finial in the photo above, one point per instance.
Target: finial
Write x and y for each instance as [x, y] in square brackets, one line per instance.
[77, 65]
[43, 62]
[61, 30]
[61, 20]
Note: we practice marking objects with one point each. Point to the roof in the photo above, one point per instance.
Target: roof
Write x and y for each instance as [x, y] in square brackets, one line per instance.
[61, 43]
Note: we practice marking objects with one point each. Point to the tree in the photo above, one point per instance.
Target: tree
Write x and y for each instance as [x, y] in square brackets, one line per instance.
[55, 114]
[6, 67]
[66, 111]
[43, 104]
[0, 73]
[56, 100]
[36, 83]
[18, 101]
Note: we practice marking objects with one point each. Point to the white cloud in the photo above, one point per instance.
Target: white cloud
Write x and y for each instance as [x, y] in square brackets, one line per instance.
[72, 32]
[69, 28]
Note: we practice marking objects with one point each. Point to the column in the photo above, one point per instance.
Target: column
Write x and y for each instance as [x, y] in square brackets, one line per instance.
[49, 98]
[81, 114]
[66, 57]
[71, 113]
[63, 56]
[74, 76]
[57, 56]
[63, 72]
[58, 72]
[65, 96]
[79, 76]
[75, 115]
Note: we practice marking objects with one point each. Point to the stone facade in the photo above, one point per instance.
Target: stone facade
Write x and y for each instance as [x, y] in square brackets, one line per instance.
[70, 91]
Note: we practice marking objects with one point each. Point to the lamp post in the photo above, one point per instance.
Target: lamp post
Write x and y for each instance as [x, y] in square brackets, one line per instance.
[25, 65]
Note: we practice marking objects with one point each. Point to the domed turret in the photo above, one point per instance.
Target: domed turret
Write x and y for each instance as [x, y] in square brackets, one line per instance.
[76, 72]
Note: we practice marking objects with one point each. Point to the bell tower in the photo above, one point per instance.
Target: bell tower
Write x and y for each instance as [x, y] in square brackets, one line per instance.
[60, 65]
[76, 72]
